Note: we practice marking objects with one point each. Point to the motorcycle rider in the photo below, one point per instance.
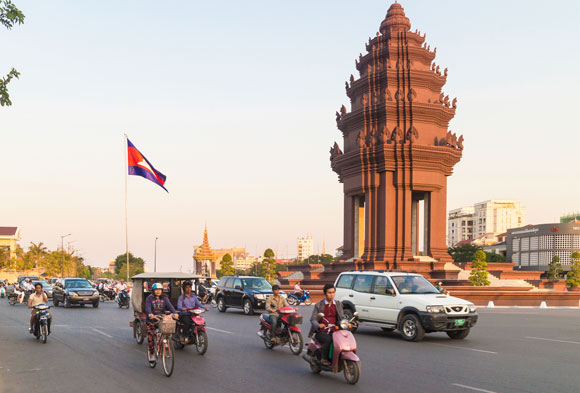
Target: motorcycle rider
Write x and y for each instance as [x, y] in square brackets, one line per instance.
[156, 304]
[38, 297]
[333, 313]
[204, 290]
[273, 304]
[186, 301]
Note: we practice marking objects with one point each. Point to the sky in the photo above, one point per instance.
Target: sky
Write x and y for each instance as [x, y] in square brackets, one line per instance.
[234, 102]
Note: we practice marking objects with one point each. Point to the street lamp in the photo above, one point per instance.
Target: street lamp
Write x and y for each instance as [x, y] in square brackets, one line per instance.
[155, 257]
[62, 250]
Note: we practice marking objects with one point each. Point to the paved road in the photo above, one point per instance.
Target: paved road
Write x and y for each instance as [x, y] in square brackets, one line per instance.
[91, 350]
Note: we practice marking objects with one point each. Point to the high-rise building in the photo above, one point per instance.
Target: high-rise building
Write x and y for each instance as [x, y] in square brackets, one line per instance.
[460, 225]
[305, 247]
[497, 216]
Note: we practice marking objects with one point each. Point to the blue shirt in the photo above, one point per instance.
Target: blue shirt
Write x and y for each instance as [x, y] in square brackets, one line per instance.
[188, 302]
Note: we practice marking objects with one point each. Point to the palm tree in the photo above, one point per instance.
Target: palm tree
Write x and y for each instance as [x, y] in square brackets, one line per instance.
[37, 251]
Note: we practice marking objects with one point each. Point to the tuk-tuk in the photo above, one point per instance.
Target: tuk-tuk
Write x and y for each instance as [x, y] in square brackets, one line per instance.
[142, 287]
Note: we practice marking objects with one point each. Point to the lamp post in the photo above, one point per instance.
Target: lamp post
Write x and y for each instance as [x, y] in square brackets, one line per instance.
[62, 250]
[155, 257]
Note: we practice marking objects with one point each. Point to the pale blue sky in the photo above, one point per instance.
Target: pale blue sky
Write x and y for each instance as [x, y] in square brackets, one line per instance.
[234, 102]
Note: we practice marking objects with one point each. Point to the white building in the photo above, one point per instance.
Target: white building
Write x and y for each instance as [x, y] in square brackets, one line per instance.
[497, 216]
[460, 225]
[305, 248]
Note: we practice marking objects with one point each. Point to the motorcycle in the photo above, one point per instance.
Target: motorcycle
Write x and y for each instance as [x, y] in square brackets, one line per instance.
[123, 298]
[13, 297]
[289, 332]
[342, 351]
[41, 321]
[211, 299]
[106, 295]
[294, 300]
[195, 336]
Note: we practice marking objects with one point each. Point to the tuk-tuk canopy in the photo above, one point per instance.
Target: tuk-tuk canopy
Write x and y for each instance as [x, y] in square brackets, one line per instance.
[169, 275]
[172, 290]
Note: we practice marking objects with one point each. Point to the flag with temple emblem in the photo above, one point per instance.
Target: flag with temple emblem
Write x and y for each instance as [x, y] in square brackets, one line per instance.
[140, 166]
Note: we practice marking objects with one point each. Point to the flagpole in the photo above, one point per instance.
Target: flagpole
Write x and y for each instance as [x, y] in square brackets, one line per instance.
[126, 166]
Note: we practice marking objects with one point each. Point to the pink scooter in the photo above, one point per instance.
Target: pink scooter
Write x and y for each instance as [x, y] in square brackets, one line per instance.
[344, 356]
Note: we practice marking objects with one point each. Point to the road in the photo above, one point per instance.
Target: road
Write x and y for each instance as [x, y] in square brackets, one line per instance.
[92, 350]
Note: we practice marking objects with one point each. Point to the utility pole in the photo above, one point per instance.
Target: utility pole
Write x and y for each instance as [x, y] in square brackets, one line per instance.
[62, 250]
[155, 257]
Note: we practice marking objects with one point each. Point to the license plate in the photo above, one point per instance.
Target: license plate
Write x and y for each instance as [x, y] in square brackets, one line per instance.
[459, 322]
[86, 299]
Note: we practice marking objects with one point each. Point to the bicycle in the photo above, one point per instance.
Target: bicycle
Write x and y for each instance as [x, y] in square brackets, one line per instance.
[163, 345]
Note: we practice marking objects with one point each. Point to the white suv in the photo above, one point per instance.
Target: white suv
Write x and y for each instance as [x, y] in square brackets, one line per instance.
[404, 301]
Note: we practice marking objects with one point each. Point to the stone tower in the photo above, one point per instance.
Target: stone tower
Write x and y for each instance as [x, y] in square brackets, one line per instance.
[398, 150]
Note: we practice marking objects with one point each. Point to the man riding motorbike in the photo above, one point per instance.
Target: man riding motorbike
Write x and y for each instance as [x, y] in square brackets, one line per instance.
[333, 312]
[38, 297]
[203, 290]
[187, 301]
[156, 304]
[273, 304]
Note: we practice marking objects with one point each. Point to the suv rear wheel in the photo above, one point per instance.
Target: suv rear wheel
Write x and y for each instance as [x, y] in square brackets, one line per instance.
[411, 328]
[458, 334]
[248, 308]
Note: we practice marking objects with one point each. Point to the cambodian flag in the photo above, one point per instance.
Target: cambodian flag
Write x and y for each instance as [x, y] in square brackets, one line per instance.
[140, 166]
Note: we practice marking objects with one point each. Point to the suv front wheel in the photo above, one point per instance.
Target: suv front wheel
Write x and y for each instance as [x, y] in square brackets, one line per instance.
[411, 328]
[221, 305]
[248, 308]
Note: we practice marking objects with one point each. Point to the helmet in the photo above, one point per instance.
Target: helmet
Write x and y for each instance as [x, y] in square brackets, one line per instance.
[157, 286]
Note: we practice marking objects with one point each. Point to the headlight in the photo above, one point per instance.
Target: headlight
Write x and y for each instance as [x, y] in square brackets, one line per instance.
[435, 309]
[260, 296]
[344, 324]
[72, 294]
[472, 308]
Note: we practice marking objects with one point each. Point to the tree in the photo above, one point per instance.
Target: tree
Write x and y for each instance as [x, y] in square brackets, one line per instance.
[464, 253]
[227, 265]
[37, 252]
[493, 257]
[555, 269]
[479, 274]
[269, 265]
[121, 261]
[573, 277]
[133, 270]
[9, 16]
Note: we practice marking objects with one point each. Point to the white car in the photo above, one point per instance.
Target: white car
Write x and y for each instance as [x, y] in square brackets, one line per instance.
[403, 301]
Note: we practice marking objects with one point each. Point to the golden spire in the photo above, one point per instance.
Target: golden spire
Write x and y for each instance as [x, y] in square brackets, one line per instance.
[205, 253]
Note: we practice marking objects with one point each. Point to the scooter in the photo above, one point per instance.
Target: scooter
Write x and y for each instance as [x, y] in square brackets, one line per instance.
[295, 300]
[342, 351]
[123, 298]
[197, 333]
[41, 321]
[289, 331]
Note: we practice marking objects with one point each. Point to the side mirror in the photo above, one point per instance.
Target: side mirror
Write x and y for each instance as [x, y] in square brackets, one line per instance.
[238, 287]
[355, 314]
[390, 292]
[320, 315]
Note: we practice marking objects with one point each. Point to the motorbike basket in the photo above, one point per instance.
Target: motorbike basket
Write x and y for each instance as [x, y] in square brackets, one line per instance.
[295, 319]
[167, 326]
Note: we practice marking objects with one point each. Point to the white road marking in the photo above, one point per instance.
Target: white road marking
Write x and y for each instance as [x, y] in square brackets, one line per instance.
[103, 333]
[472, 388]
[552, 339]
[467, 349]
[219, 330]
